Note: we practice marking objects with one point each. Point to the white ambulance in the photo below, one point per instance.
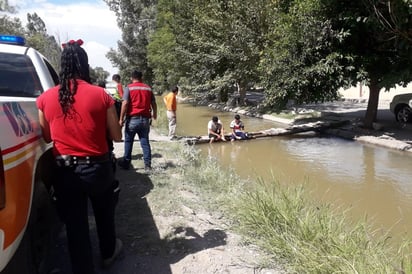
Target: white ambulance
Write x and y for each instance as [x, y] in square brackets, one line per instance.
[27, 216]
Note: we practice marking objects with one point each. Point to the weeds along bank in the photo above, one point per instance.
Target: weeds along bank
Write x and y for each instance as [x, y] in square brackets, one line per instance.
[301, 235]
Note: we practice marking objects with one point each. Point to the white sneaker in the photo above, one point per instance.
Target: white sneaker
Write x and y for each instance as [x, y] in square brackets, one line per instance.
[117, 248]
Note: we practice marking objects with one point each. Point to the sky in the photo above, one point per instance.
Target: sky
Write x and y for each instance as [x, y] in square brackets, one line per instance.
[89, 20]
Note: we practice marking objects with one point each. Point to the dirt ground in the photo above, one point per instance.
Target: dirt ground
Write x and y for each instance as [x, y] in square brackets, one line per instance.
[166, 229]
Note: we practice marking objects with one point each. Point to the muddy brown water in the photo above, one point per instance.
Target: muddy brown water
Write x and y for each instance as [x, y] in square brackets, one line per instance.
[369, 181]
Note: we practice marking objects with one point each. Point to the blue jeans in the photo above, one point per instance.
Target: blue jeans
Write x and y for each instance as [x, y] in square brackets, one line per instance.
[240, 134]
[141, 126]
[74, 186]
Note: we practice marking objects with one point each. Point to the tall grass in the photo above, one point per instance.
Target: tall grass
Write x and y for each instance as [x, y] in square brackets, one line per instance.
[207, 174]
[161, 123]
[304, 235]
[310, 237]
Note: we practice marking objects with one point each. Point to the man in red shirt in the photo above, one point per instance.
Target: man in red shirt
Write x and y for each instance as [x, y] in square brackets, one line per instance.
[138, 108]
[77, 116]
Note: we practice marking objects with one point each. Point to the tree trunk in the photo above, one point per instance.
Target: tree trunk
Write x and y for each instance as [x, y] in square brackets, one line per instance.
[242, 93]
[372, 110]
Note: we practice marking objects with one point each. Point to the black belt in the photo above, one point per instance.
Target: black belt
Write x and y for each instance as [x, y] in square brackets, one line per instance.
[138, 117]
[70, 160]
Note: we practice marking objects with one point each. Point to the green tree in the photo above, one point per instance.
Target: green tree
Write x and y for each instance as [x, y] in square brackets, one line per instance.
[382, 58]
[318, 46]
[8, 24]
[219, 43]
[161, 49]
[136, 20]
[37, 37]
[299, 63]
[302, 51]
[98, 74]
[35, 25]
[35, 34]
[391, 20]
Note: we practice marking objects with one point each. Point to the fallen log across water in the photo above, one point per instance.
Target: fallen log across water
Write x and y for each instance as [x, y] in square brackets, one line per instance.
[318, 126]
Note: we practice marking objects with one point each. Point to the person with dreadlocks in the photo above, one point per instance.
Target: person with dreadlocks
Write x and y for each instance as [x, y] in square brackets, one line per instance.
[77, 117]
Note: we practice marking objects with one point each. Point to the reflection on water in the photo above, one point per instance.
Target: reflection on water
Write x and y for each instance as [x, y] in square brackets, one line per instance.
[373, 181]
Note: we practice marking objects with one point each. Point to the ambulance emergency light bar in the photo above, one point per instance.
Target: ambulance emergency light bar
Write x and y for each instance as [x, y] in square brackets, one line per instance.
[12, 39]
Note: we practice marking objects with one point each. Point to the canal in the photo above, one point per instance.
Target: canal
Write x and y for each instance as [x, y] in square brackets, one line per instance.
[369, 181]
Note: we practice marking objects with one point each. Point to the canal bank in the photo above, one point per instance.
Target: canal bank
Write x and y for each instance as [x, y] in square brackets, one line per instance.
[170, 222]
[386, 133]
[169, 225]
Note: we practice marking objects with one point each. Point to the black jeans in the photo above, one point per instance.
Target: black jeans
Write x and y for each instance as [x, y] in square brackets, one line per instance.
[74, 185]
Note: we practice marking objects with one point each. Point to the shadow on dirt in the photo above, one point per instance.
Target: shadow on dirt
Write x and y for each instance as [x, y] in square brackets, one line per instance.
[144, 251]
[184, 241]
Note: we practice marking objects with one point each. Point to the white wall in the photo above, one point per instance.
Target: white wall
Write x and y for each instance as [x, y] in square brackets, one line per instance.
[362, 92]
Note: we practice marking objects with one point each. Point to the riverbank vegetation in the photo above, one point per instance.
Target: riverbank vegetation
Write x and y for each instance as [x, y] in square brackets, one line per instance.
[301, 235]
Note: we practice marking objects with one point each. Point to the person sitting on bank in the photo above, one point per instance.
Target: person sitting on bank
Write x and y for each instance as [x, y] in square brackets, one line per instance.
[215, 130]
[238, 128]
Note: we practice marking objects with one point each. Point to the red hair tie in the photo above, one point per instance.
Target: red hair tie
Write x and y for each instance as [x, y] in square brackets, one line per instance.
[72, 42]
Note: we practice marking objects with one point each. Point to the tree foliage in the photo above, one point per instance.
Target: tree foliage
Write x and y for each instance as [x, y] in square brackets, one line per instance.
[38, 38]
[98, 74]
[214, 45]
[381, 56]
[301, 51]
[10, 25]
[296, 50]
[299, 63]
[136, 19]
[161, 50]
[35, 33]
[394, 18]
[210, 46]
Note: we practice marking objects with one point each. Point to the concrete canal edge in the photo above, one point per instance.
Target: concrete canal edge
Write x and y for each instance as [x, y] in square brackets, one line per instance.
[387, 132]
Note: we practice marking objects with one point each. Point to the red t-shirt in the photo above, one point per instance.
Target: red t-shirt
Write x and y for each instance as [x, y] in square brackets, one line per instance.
[83, 132]
[140, 99]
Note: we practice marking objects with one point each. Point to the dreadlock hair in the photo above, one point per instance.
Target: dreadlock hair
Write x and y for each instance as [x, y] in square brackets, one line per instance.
[74, 65]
